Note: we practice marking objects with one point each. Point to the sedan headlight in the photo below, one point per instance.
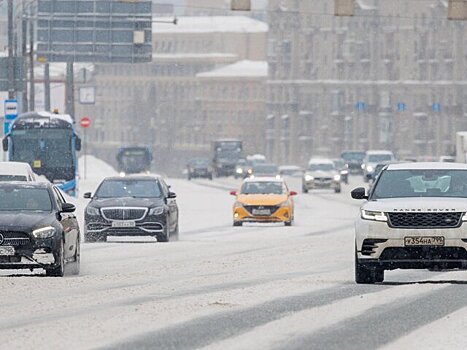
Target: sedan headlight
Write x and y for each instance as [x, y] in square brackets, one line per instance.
[156, 211]
[239, 171]
[344, 172]
[309, 178]
[92, 211]
[337, 177]
[374, 215]
[44, 232]
[369, 168]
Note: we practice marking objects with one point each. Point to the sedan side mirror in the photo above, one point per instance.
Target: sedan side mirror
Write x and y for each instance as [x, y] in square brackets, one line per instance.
[172, 195]
[359, 193]
[68, 208]
[87, 195]
[78, 144]
[5, 144]
[292, 193]
[233, 193]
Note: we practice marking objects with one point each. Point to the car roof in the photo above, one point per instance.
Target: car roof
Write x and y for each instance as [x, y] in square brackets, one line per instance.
[428, 166]
[134, 177]
[263, 179]
[23, 184]
[265, 165]
[13, 168]
[378, 152]
[320, 161]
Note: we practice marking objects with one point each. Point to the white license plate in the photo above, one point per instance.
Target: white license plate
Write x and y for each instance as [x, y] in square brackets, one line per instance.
[261, 212]
[7, 250]
[423, 241]
[124, 224]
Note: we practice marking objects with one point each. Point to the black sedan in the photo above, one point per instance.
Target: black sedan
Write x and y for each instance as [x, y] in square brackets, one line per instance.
[38, 229]
[131, 206]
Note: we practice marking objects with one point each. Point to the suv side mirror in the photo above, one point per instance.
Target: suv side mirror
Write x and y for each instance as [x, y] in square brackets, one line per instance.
[5, 144]
[68, 208]
[172, 195]
[87, 195]
[359, 193]
[78, 144]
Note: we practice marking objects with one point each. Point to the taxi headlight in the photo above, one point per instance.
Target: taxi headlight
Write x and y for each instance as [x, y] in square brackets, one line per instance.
[92, 211]
[44, 232]
[374, 215]
[309, 178]
[156, 211]
[285, 204]
[238, 204]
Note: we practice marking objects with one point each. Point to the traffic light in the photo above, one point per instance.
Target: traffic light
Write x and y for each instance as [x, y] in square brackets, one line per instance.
[240, 5]
[457, 10]
[344, 7]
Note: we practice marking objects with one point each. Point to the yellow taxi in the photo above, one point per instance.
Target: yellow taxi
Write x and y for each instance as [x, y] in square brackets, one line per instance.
[263, 199]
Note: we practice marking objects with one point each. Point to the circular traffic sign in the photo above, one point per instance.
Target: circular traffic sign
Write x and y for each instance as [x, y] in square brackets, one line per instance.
[85, 122]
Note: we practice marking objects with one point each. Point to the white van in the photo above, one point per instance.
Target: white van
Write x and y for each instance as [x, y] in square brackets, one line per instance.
[16, 171]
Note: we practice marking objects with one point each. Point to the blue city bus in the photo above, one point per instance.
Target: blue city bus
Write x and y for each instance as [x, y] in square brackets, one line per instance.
[48, 142]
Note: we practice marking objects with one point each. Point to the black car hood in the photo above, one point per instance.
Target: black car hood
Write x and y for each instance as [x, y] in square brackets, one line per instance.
[126, 202]
[26, 221]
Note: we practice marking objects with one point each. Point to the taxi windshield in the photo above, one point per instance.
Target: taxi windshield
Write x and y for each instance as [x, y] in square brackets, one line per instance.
[262, 187]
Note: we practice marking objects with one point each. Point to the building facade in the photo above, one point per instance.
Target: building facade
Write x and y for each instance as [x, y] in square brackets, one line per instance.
[392, 77]
[158, 104]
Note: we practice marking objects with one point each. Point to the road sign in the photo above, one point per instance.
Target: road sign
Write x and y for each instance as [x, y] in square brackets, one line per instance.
[401, 106]
[87, 95]
[104, 31]
[85, 122]
[361, 106]
[11, 109]
[436, 107]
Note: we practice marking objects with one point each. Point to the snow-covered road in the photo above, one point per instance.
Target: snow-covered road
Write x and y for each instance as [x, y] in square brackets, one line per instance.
[223, 287]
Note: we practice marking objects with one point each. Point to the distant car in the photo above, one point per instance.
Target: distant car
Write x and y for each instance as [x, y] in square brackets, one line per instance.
[447, 159]
[372, 159]
[268, 170]
[343, 168]
[199, 168]
[16, 171]
[354, 160]
[265, 199]
[290, 170]
[413, 219]
[131, 206]
[242, 169]
[38, 229]
[378, 168]
[321, 173]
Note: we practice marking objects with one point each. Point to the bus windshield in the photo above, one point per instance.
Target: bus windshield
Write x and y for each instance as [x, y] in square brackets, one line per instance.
[49, 148]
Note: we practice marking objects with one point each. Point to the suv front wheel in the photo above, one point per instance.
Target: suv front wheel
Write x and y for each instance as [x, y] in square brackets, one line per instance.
[367, 275]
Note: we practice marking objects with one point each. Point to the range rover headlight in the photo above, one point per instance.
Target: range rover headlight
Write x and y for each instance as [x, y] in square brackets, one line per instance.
[309, 178]
[374, 215]
[44, 232]
[156, 211]
[92, 211]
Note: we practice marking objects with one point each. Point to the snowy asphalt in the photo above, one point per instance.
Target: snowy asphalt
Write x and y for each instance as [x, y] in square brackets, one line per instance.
[223, 287]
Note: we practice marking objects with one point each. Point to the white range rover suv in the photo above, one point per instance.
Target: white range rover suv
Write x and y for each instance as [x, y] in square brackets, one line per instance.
[414, 218]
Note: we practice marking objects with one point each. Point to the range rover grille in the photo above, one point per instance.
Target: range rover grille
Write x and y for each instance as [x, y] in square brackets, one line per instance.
[425, 220]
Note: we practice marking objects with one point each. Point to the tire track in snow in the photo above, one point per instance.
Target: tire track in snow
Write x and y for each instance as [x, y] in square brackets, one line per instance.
[385, 324]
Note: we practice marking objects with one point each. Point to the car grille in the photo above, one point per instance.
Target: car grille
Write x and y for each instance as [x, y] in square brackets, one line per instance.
[124, 213]
[268, 209]
[15, 238]
[424, 253]
[425, 220]
[323, 179]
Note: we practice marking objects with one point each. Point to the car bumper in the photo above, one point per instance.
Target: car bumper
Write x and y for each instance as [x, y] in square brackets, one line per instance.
[321, 184]
[41, 253]
[148, 227]
[282, 214]
[379, 245]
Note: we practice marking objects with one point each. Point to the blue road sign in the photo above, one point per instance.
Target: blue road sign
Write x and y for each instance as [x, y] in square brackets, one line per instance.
[401, 106]
[436, 107]
[361, 106]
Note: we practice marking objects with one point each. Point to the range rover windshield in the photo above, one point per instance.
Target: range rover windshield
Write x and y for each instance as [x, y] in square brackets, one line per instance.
[421, 183]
